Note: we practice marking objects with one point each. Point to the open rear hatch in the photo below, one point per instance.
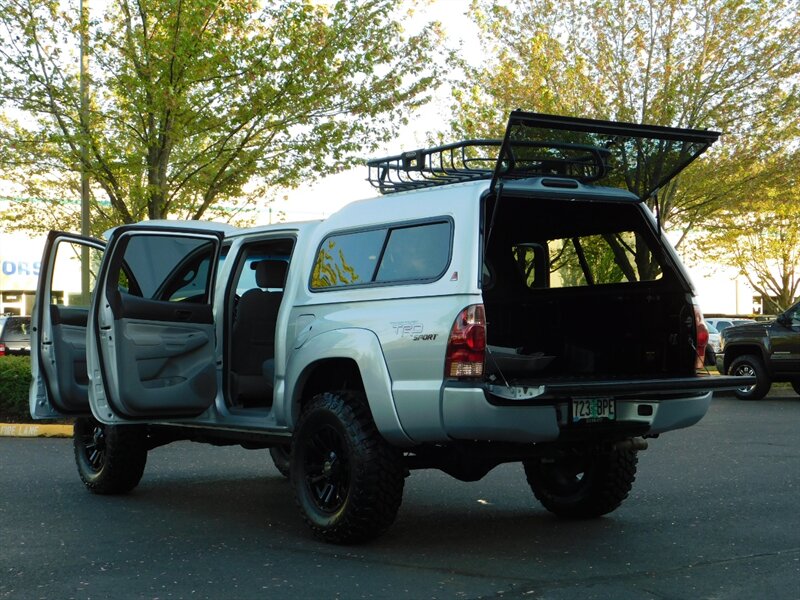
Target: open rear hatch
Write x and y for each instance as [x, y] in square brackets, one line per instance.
[637, 158]
[582, 301]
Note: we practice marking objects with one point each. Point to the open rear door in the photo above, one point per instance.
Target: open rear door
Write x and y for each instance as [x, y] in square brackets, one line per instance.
[151, 347]
[59, 384]
[630, 156]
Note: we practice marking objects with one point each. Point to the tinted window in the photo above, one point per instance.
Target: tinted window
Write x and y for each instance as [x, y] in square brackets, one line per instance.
[167, 267]
[419, 252]
[348, 259]
[16, 328]
[416, 252]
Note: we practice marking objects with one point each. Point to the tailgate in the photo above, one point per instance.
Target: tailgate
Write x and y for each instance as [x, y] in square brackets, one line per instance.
[641, 389]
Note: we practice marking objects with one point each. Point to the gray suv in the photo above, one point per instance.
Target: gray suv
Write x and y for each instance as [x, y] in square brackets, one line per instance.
[442, 324]
[15, 335]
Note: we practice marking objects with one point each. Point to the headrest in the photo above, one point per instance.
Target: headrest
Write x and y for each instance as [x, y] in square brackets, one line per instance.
[270, 273]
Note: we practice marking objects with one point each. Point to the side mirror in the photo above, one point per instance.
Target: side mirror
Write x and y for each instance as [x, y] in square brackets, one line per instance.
[784, 319]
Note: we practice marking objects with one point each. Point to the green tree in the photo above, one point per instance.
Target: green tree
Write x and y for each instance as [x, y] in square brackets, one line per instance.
[760, 237]
[194, 105]
[729, 65]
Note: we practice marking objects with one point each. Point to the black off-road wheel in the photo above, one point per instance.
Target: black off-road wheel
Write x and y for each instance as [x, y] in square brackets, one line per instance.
[584, 483]
[348, 481]
[750, 365]
[280, 458]
[110, 458]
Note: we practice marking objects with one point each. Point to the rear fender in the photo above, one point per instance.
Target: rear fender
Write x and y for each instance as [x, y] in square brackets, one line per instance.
[362, 347]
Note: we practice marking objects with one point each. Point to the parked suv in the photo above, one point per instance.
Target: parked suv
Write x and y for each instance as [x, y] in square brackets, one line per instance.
[722, 323]
[15, 335]
[441, 325]
[766, 350]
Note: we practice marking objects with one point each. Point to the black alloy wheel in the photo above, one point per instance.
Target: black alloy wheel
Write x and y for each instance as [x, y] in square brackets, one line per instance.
[327, 468]
[91, 446]
[348, 481]
[584, 483]
[110, 458]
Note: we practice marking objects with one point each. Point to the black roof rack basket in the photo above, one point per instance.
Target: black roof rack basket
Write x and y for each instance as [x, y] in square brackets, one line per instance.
[472, 160]
[469, 160]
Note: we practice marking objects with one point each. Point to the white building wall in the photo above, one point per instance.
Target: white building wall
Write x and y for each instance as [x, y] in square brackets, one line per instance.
[721, 290]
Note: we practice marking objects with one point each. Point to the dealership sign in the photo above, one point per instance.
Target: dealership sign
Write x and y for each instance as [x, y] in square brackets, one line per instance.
[20, 261]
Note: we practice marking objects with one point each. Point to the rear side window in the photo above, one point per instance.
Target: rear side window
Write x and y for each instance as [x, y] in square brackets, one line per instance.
[404, 253]
[16, 328]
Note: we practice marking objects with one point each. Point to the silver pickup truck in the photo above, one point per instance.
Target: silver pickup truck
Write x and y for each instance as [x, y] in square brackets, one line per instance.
[501, 301]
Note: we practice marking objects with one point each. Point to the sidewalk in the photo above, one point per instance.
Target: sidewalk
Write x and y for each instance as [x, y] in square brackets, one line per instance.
[35, 430]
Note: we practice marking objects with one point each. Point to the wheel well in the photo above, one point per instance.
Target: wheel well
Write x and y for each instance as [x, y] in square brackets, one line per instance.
[327, 376]
[735, 352]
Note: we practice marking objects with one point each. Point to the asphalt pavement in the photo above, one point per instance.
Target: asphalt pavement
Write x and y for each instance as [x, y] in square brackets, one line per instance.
[713, 514]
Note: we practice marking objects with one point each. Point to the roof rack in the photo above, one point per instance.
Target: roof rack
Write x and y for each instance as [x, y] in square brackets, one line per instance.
[472, 160]
[469, 160]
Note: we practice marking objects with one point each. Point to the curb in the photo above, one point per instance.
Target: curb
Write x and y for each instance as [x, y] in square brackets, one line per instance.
[29, 430]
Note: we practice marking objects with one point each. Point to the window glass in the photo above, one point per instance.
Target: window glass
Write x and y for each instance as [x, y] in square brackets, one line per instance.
[72, 263]
[414, 252]
[164, 267]
[348, 259]
[16, 328]
[193, 282]
[419, 252]
[600, 259]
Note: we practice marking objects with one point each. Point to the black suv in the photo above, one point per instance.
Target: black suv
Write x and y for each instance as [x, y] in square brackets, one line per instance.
[768, 350]
[15, 335]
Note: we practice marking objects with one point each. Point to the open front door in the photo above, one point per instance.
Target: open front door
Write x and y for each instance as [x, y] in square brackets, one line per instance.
[60, 381]
[151, 346]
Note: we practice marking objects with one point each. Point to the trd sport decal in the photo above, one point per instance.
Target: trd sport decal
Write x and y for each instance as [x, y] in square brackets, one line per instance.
[414, 330]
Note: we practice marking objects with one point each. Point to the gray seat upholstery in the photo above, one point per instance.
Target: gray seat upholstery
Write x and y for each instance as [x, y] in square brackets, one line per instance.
[254, 334]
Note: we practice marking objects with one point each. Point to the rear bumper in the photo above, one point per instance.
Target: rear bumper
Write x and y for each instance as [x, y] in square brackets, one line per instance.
[467, 414]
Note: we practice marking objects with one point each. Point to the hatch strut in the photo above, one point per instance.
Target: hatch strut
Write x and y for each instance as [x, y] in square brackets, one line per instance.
[658, 211]
[497, 182]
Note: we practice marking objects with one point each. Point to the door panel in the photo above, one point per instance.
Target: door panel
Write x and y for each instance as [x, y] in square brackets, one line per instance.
[152, 324]
[59, 319]
[165, 369]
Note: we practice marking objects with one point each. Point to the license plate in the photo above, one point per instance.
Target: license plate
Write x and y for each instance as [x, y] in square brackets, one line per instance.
[588, 410]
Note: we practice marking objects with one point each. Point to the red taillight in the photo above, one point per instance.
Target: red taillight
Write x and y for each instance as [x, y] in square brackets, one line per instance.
[466, 348]
[2, 349]
[702, 338]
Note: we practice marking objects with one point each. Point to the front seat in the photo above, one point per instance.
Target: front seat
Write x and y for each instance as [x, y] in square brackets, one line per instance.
[253, 335]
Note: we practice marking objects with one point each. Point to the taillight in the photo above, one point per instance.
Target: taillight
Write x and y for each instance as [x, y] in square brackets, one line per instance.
[466, 348]
[702, 338]
[2, 349]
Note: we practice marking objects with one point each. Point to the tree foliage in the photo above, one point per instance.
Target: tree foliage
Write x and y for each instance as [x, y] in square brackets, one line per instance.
[193, 102]
[729, 65]
[760, 237]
